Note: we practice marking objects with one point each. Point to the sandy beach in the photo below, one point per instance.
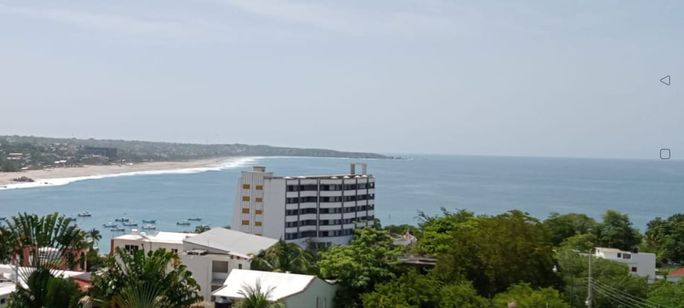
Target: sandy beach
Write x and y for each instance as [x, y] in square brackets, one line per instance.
[86, 171]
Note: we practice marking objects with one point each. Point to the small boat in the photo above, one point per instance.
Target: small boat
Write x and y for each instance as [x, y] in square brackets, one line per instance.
[121, 219]
[110, 225]
[149, 221]
[149, 227]
[195, 219]
[84, 214]
[183, 223]
[117, 230]
[130, 224]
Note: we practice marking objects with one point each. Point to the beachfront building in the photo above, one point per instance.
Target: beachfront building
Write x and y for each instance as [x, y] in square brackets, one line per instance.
[210, 255]
[294, 290]
[642, 264]
[307, 210]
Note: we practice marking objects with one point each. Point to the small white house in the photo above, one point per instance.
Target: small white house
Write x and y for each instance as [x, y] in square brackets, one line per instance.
[150, 241]
[642, 264]
[295, 290]
[210, 256]
[213, 254]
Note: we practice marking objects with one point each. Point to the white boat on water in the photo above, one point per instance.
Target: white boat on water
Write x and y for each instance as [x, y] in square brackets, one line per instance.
[149, 227]
[110, 225]
[183, 223]
[84, 214]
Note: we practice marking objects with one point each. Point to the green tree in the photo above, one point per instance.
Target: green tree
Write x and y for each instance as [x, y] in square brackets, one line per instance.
[525, 296]
[573, 269]
[62, 293]
[409, 290]
[665, 237]
[667, 294]
[285, 257]
[135, 279]
[496, 252]
[39, 245]
[434, 234]
[564, 226]
[257, 297]
[616, 231]
[202, 228]
[580, 242]
[368, 260]
[461, 295]
[416, 290]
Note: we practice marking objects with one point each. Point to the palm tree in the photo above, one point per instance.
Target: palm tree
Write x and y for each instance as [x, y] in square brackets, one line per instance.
[285, 257]
[256, 297]
[135, 279]
[39, 248]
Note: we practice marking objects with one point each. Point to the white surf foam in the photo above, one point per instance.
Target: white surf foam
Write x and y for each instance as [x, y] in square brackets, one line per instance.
[227, 164]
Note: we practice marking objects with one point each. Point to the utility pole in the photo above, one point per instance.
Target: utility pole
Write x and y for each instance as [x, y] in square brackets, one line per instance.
[590, 296]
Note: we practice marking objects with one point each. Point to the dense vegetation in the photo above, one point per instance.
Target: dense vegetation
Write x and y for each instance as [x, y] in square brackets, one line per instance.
[481, 261]
[44, 152]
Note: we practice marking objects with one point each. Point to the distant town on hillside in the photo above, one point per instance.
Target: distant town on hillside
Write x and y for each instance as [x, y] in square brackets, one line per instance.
[29, 152]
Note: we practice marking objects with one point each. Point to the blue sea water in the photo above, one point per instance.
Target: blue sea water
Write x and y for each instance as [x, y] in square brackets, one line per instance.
[487, 185]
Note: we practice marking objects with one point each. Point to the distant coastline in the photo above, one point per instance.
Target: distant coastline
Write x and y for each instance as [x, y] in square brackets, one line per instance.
[62, 176]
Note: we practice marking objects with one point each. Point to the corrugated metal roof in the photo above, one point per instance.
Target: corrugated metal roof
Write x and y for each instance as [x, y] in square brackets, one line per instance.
[233, 242]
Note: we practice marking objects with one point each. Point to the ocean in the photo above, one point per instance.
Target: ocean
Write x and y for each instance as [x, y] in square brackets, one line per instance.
[644, 189]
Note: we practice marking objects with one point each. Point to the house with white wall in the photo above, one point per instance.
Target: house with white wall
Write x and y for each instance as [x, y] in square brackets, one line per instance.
[150, 241]
[213, 254]
[210, 256]
[294, 290]
[642, 264]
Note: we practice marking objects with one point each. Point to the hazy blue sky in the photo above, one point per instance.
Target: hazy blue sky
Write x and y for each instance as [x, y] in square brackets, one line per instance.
[549, 78]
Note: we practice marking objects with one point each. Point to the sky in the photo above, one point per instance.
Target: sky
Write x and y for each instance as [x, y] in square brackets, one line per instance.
[519, 78]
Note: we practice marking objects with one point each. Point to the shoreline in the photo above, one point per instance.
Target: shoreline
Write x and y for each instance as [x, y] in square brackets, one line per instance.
[62, 176]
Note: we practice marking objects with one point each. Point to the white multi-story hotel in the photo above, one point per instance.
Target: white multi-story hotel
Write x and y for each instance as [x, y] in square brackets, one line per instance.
[307, 210]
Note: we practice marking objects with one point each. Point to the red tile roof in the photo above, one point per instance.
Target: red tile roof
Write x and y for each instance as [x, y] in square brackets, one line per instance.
[677, 273]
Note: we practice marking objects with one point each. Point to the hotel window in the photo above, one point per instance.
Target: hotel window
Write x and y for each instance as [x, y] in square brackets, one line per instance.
[245, 222]
[634, 269]
[259, 199]
[245, 211]
[245, 198]
[626, 256]
[259, 187]
[245, 186]
[259, 212]
[257, 223]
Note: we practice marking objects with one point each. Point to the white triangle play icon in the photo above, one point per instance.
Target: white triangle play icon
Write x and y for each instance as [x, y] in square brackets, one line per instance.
[665, 80]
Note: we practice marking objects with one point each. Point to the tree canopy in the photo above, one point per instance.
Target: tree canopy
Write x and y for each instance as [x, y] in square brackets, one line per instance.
[665, 237]
[495, 252]
[136, 279]
[368, 260]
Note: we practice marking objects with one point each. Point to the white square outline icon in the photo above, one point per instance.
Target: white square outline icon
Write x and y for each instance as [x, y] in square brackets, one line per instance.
[665, 153]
